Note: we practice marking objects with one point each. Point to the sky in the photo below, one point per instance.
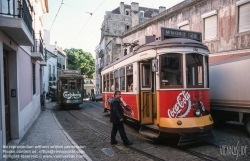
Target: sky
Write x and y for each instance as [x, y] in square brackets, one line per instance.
[74, 27]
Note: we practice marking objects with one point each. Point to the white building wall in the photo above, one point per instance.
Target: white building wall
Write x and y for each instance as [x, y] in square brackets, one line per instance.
[25, 106]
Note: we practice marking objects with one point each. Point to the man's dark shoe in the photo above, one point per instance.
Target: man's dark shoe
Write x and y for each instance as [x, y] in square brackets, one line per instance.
[113, 143]
[128, 143]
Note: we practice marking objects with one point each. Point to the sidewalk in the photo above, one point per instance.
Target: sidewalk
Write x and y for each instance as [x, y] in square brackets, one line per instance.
[46, 140]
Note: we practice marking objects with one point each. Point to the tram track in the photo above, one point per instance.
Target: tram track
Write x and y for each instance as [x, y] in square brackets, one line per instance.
[107, 136]
[135, 148]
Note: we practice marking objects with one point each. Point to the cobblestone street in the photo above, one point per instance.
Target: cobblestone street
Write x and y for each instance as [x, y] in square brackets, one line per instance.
[88, 126]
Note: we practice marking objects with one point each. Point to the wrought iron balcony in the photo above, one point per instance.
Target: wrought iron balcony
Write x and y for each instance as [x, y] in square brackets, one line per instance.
[16, 21]
[37, 50]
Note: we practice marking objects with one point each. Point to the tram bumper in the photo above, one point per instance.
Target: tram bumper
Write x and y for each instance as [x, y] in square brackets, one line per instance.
[186, 125]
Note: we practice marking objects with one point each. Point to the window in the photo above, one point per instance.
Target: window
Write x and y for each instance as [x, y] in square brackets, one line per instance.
[104, 83]
[112, 89]
[184, 25]
[107, 82]
[210, 25]
[194, 70]
[116, 80]
[146, 75]
[171, 70]
[34, 78]
[244, 12]
[207, 70]
[49, 70]
[79, 84]
[125, 52]
[72, 84]
[122, 79]
[64, 84]
[129, 74]
[127, 12]
[141, 14]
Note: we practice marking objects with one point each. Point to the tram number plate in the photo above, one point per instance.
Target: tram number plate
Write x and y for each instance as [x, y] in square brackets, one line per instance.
[195, 49]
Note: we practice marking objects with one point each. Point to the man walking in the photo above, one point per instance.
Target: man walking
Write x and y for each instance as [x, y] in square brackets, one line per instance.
[42, 99]
[116, 117]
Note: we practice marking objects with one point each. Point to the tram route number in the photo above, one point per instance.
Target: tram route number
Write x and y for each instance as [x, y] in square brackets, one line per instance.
[195, 49]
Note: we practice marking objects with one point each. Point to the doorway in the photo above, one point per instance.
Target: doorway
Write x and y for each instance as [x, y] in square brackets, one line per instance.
[6, 95]
[146, 96]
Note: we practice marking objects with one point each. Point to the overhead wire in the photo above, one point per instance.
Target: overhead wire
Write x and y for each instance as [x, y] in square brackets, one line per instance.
[56, 15]
[88, 19]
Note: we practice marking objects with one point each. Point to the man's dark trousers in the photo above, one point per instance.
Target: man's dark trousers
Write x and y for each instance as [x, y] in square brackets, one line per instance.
[120, 128]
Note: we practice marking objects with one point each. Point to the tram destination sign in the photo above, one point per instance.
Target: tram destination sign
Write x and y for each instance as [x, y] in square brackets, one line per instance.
[176, 33]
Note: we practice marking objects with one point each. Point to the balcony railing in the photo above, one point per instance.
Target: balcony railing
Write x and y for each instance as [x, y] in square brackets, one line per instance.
[17, 9]
[38, 46]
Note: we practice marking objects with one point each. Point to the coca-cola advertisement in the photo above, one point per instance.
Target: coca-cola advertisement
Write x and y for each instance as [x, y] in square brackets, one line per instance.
[181, 104]
[128, 103]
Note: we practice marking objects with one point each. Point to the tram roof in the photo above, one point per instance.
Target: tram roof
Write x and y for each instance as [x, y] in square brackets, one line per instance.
[70, 75]
[172, 42]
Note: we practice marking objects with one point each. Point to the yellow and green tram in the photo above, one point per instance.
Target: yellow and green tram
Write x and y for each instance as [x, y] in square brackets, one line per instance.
[70, 88]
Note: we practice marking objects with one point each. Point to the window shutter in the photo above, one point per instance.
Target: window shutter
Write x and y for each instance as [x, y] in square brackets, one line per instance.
[211, 27]
[244, 17]
[185, 27]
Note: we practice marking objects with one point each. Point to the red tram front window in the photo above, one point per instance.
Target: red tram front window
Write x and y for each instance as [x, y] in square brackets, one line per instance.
[171, 71]
[194, 70]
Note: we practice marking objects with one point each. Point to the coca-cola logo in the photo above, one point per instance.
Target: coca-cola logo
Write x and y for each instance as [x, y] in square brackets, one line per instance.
[181, 106]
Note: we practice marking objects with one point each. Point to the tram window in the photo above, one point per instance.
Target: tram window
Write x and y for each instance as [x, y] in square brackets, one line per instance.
[129, 73]
[171, 73]
[104, 83]
[72, 84]
[122, 79]
[79, 84]
[146, 75]
[117, 80]
[207, 74]
[64, 84]
[112, 88]
[107, 81]
[194, 70]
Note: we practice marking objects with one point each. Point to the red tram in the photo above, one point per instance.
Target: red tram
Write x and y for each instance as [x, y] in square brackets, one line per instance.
[164, 85]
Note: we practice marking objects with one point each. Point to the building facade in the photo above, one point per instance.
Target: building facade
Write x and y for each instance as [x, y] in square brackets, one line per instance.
[21, 66]
[56, 60]
[114, 25]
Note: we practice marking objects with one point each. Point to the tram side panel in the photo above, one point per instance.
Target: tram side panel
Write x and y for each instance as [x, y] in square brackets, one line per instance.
[229, 84]
[129, 104]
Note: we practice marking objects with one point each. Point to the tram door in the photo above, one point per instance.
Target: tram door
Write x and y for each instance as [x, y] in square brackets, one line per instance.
[146, 93]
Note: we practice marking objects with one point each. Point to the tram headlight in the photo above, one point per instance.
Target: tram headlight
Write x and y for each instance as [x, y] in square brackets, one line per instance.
[197, 112]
